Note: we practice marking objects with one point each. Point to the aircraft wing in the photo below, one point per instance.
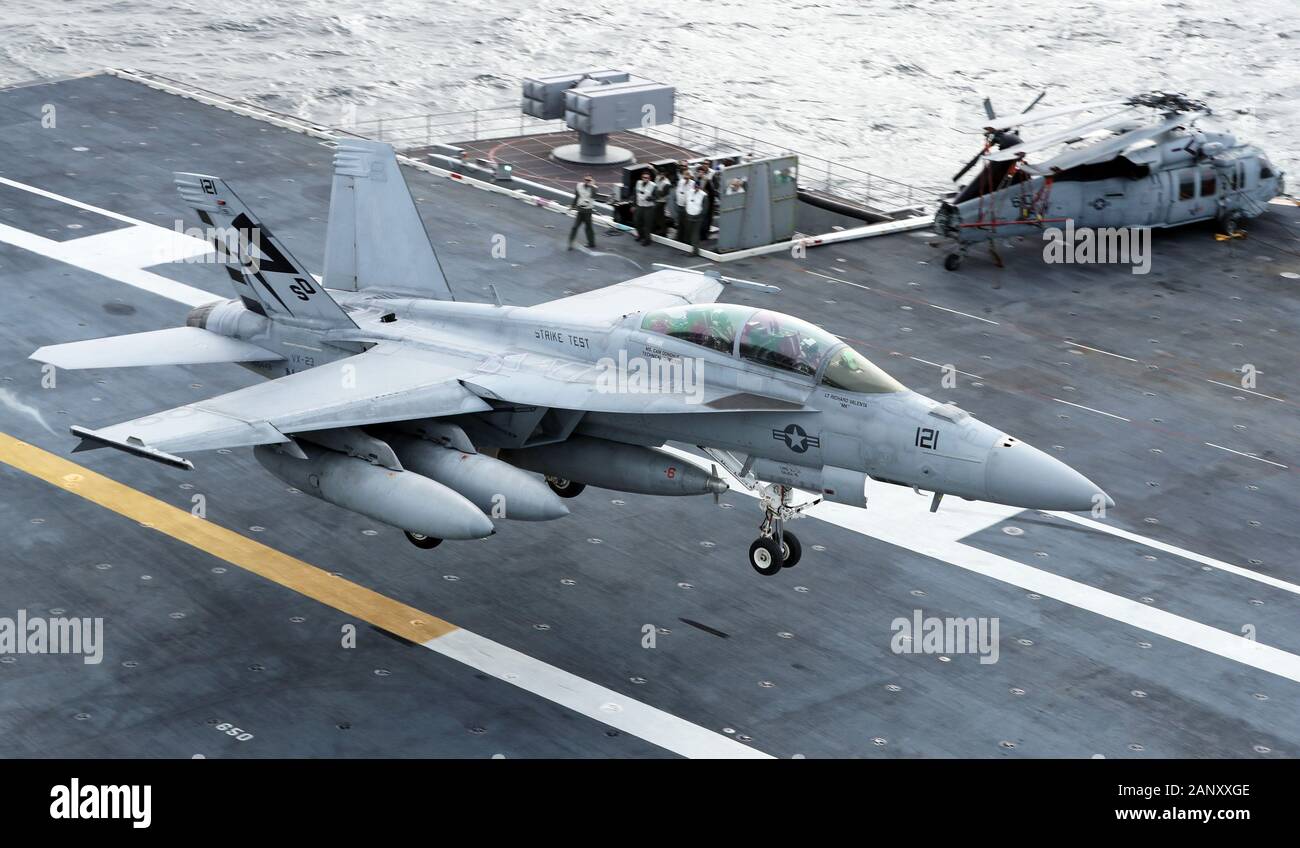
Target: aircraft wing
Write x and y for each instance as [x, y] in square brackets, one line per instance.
[389, 382]
[174, 346]
[656, 290]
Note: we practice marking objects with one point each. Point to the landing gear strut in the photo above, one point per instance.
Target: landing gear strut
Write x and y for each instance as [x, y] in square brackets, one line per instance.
[994, 255]
[565, 488]
[422, 541]
[776, 547]
[1230, 224]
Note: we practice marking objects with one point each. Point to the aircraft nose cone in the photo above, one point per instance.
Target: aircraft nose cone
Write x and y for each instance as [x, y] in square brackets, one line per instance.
[1021, 475]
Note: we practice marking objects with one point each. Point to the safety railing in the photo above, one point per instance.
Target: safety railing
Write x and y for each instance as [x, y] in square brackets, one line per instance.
[451, 127]
[816, 173]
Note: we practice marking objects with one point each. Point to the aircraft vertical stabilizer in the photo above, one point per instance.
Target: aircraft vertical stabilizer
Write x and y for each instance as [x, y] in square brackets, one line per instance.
[376, 239]
[266, 276]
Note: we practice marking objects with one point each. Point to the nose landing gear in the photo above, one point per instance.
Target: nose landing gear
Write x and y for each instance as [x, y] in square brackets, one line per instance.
[776, 547]
[422, 541]
[765, 556]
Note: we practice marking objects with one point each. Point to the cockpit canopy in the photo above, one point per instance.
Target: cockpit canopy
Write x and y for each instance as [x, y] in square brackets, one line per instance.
[772, 339]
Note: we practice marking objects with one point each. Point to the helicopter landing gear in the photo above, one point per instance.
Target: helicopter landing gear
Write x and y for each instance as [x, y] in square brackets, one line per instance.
[1230, 224]
[776, 547]
[422, 541]
[565, 488]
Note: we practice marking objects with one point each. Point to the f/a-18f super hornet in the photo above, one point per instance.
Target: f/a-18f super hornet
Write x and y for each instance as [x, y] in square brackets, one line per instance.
[390, 398]
[1138, 162]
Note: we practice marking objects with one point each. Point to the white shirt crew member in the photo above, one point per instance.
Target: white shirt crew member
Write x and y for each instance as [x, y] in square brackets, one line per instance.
[645, 193]
[695, 198]
[584, 196]
[683, 186]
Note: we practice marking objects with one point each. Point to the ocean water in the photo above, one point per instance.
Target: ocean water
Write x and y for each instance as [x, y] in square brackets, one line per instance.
[889, 86]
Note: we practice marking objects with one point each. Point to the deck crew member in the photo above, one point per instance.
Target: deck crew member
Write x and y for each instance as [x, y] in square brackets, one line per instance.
[679, 201]
[645, 208]
[663, 189]
[709, 176]
[584, 198]
[696, 197]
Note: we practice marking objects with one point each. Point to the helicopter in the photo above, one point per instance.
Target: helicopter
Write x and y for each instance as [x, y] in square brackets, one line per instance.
[1129, 163]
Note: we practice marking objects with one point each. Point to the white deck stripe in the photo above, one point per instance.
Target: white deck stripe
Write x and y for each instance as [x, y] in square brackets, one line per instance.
[963, 314]
[1247, 391]
[117, 216]
[898, 517]
[837, 279]
[1090, 409]
[1181, 552]
[120, 254]
[1247, 455]
[114, 255]
[589, 699]
[937, 365]
[1099, 350]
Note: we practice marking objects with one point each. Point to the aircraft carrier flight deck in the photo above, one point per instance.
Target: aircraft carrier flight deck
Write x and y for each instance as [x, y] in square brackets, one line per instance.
[634, 626]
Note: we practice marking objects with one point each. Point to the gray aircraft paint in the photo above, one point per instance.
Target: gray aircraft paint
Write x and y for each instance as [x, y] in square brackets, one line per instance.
[520, 377]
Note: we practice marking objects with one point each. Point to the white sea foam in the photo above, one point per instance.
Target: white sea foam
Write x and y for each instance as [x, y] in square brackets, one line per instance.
[885, 85]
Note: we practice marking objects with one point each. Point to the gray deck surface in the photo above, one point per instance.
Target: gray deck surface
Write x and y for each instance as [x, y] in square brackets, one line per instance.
[818, 635]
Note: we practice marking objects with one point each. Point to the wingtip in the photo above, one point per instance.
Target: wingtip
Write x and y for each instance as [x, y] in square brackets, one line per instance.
[91, 440]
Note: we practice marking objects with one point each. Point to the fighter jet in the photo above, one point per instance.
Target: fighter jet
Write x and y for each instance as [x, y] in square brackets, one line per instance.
[1137, 162]
[388, 397]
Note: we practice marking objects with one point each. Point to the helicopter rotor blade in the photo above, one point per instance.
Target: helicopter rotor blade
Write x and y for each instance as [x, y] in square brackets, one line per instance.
[1035, 102]
[971, 164]
[988, 109]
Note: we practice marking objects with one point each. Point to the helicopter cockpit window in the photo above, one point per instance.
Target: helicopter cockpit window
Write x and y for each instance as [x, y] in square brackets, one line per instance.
[712, 325]
[850, 371]
[1207, 182]
[783, 342]
[1265, 170]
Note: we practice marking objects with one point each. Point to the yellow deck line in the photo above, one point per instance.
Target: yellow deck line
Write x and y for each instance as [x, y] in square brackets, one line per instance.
[292, 573]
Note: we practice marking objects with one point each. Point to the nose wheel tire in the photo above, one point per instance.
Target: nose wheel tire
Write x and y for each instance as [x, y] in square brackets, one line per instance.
[791, 549]
[565, 488]
[422, 541]
[952, 262]
[765, 555]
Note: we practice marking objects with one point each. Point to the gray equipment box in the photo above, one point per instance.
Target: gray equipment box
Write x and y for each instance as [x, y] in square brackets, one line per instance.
[757, 202]
[544, 96]
[604, 109]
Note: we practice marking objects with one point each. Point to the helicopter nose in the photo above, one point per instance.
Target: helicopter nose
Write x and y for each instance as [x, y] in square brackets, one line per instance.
[1018, 474]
